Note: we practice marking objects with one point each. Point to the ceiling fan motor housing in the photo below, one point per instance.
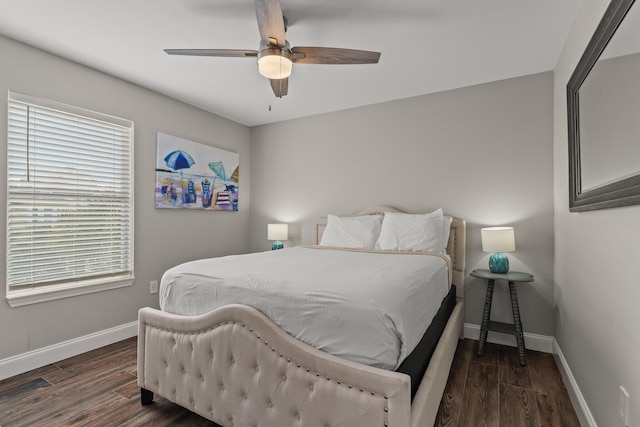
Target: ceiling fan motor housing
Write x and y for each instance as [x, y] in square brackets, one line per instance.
[275, 62]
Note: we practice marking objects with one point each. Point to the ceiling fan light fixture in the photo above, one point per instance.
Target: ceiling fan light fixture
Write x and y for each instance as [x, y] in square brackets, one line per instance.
[275, 63]
[275, 55]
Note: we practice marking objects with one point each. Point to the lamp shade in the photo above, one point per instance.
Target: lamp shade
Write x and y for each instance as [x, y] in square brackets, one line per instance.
[498, 239]
[277, 231]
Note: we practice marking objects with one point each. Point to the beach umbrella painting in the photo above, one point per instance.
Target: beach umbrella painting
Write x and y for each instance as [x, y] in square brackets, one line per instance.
[218, 169]
[179, 160]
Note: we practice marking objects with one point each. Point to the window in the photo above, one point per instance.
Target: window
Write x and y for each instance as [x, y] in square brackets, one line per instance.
[69, 201]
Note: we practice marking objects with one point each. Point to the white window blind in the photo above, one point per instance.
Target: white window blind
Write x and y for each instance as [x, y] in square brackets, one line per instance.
[70, 196]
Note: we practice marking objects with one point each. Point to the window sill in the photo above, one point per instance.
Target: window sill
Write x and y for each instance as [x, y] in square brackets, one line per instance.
[50, 293]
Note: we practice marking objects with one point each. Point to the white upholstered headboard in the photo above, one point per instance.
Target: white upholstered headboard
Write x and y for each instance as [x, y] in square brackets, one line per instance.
[456, 248]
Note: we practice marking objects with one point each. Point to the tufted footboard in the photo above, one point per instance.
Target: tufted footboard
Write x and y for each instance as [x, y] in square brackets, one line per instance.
[237, 368]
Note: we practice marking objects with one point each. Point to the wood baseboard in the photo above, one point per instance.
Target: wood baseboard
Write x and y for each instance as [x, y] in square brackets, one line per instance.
[535, 342]
[44, 356]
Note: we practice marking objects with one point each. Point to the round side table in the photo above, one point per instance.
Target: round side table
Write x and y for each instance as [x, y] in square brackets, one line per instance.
[514, 328]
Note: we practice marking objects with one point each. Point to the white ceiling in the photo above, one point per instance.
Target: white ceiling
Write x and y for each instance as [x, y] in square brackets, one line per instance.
[427, 46]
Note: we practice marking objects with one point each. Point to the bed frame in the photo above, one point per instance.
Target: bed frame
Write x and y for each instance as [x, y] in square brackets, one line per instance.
[235, 367]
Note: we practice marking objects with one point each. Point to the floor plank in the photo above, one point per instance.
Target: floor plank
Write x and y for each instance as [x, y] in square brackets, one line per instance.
[130, 390]
[553, 400]
[23, 388]
[490, 354]
[12, 382]
[511, 372]
[481, 397]
[532, 395]
[449, 409]
[62, 400]
[97, 353]
[518, 407]
[99, 388]
[124, 358]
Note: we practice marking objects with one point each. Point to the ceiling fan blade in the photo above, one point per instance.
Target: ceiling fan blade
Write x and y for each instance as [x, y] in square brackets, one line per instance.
[332, 55]
[280, 86]
[234, 53]
[270, 21]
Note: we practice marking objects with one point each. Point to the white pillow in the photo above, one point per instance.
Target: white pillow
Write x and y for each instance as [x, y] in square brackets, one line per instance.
[359, 232]
[446, 230]
[412, 232]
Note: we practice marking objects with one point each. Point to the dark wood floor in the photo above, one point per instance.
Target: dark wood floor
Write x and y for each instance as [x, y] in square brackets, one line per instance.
[495, 391]
[99, 389]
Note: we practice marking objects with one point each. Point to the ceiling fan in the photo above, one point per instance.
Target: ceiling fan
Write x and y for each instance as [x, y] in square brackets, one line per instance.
[275, 57]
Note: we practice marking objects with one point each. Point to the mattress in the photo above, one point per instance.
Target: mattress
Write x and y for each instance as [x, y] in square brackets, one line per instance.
[416, 363]
[366, 306]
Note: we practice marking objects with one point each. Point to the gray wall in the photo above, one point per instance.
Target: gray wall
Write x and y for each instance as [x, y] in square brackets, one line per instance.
[163, 238]
[482, 153]
[596, 267]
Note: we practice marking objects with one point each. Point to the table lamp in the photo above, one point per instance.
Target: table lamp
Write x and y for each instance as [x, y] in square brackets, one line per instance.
[277, 232]
[498, 240]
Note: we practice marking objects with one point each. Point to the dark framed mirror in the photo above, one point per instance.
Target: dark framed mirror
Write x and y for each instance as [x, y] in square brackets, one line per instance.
[603, 105]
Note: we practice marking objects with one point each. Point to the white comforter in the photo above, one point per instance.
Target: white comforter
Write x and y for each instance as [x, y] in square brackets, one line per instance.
[371, 308]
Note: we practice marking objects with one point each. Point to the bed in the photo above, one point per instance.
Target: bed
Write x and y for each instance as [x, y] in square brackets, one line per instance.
[234, 366]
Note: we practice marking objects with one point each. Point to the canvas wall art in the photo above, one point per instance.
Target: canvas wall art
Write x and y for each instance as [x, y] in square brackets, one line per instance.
[190, 175]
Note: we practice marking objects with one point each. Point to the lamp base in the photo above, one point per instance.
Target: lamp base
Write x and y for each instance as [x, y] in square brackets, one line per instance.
[277, 245]
[499, 263]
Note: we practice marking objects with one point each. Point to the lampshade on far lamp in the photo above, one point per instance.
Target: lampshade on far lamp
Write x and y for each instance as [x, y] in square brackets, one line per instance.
[277, 232]
[498, 240]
